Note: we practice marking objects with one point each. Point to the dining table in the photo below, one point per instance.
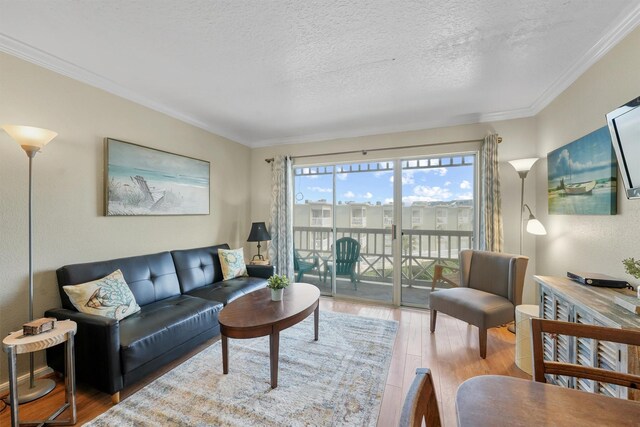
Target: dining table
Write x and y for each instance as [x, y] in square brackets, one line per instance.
[495, 400]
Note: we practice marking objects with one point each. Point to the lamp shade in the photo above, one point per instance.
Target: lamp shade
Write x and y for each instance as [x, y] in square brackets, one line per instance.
[258, 233]
[535, 227]
[523, 165]
[30, 138]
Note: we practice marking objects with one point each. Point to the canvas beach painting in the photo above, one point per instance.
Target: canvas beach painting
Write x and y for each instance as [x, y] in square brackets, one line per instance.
[144, 181]
[583, 176]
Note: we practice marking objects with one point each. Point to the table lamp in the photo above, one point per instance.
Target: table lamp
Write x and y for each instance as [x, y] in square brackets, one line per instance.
[258, 234]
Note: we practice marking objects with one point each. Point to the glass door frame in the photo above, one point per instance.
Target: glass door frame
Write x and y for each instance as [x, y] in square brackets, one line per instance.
[398, 210]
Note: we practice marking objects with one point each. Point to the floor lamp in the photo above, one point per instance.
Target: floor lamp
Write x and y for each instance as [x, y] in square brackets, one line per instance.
[523, 166]
[32, 140]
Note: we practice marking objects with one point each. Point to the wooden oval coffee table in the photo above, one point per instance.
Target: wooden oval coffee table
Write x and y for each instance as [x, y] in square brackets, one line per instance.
[255, 315]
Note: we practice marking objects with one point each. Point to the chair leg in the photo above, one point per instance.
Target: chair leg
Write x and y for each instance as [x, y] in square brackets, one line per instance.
[300, 274]
[482, 336]
[434, 313]
[437, 275]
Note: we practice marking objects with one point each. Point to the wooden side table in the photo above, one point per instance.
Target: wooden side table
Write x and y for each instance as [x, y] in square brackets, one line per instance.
[17, 343]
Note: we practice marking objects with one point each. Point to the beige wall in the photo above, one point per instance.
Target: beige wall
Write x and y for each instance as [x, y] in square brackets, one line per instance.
[582, 242]
[519, 139]
[69, 226]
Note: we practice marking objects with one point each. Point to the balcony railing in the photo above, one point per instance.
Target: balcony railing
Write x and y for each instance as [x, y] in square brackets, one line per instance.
[421, 249]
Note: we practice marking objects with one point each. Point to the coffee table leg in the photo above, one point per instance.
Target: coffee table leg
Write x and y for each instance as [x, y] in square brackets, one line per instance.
[274, 350]
[316, 319]
[225, 355]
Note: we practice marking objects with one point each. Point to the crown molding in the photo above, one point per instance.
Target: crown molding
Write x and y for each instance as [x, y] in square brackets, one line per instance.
[630, 18]
[468, 119]
[58, 65]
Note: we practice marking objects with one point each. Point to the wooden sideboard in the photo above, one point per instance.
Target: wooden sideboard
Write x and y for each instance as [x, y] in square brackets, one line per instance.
[563, 299]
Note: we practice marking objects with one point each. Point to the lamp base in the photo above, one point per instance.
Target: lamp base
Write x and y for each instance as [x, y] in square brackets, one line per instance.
[41, 388]
[511, 327]
[260, 257]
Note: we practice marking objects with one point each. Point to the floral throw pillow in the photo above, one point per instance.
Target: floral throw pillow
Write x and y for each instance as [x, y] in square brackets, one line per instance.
[232, 263]
[108, 297]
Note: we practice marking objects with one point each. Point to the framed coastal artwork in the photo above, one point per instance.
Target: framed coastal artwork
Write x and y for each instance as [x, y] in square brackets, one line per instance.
[145, 181]
[583, 176]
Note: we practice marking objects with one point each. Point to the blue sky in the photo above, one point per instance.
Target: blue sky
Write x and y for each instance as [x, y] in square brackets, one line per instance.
[434, 184]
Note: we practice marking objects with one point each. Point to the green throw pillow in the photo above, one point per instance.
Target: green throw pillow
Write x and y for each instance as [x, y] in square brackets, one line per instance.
[232, 263]
[108, 297]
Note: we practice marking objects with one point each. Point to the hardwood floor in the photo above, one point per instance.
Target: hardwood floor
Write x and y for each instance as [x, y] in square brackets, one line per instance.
[451, 353]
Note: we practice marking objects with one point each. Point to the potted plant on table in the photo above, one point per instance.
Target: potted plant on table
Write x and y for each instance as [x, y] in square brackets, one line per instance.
[277, 283]
[632, 267]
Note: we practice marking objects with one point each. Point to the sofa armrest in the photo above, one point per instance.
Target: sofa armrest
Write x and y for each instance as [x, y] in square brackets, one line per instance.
[97, 347]
[263, 271]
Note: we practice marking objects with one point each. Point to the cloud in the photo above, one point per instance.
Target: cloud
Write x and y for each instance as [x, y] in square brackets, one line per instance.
[367, 195]
[432, 193]
[464, 196]
[407, 177]
[349, 194]
[448, 183]
[342, 176]
[465, 185]
[437, 171]
[424, 193]
[319, 189]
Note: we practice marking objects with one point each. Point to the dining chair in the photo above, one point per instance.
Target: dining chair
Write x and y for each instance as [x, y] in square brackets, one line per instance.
[420, 404]
[301, 266]
[542, 367]
[490, 289]
[347, 256]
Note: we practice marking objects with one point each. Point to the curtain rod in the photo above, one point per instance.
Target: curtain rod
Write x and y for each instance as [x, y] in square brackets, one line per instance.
[364, 152]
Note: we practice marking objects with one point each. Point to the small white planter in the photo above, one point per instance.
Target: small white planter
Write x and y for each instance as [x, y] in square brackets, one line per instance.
[276, 294]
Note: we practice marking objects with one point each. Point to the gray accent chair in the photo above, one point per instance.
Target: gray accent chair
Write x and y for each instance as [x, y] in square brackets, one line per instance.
[490, 288]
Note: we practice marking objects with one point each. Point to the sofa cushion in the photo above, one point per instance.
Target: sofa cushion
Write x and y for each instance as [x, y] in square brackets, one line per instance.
[227, 291]
[232, 263]
[476, 307]
[108, 297]
[163, 325]
[198, 267]
[150, 277]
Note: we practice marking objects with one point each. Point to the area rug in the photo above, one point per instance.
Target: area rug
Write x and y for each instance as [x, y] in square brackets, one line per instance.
[336, 381]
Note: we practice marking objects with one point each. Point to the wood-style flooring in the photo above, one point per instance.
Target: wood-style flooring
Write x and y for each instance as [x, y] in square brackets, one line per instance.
[451, 353]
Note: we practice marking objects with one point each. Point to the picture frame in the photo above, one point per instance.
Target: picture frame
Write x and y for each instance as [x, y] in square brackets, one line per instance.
[582, 176]
[146, 181]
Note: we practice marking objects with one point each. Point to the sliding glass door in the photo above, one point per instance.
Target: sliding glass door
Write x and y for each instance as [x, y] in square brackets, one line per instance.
[375, 231]
[438, 220]
[343, 223]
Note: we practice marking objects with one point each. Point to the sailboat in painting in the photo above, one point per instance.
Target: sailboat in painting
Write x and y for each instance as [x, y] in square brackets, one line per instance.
[578, 188]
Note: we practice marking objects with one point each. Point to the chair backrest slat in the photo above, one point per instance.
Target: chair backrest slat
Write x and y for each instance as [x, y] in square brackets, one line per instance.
[543, 367]
[420, 403]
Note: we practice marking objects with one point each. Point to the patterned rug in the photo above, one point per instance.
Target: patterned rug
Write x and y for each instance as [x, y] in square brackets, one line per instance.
[338, 380]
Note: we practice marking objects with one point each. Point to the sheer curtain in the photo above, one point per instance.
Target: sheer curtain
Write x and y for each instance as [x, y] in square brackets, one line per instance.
[281, 228]
[491, 238]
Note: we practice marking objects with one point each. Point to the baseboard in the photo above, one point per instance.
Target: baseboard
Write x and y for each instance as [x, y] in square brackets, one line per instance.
[41, 372]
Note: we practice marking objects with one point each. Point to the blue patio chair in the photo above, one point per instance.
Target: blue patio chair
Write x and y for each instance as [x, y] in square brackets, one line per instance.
[301, 266]
[347, 255]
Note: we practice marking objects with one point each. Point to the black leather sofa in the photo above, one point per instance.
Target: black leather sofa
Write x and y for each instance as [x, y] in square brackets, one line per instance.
[180, 294]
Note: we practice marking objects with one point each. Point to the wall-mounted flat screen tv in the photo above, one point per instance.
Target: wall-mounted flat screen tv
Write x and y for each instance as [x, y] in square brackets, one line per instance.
[624, 125]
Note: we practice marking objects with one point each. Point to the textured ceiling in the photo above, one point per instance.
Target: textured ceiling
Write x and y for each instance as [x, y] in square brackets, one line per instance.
[280, 71]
